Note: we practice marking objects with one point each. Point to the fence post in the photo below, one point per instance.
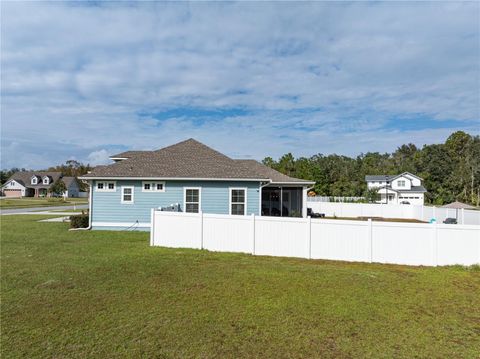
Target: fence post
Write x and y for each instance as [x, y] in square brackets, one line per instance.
[463, 215]
[434, 213]
[253, 233]
[309, 234]
[370, 238]
[201, 229]
[152, 226]
[435, 237]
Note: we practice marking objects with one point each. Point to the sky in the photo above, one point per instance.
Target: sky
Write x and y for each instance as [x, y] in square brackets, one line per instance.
[87, 80]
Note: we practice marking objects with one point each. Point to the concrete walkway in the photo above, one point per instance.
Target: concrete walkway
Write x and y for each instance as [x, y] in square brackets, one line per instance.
[42, 210]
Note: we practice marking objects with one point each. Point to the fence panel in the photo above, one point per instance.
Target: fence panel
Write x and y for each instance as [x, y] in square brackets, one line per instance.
[172, 230]
[365, 241]
[403, 243]
[340, 240]
[458, 245]
[226, 234]
[422, 213]
[283, 237]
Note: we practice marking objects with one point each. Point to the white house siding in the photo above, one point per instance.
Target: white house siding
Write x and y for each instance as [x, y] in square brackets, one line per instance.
[13, 189]
[407, 186]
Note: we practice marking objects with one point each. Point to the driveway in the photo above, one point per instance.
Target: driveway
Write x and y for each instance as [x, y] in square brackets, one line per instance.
[42, 209]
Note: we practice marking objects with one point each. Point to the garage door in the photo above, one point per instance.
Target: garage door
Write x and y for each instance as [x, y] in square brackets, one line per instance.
[12, 192]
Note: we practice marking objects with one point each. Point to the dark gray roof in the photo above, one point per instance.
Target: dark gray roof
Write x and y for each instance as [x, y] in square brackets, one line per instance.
[187, 159]
[415, 189]
[379, 177]
[388, 177]
[24, 178]
[128, 154]
[267, 172]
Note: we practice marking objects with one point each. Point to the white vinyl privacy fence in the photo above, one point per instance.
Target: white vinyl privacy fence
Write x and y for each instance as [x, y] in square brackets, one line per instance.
[362, 241]
[422, 213]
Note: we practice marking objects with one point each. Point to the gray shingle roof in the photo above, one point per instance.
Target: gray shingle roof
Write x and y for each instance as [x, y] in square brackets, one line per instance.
[187, 159]
[379, 177]
[128, 154]
[24, 178]
[270, 173]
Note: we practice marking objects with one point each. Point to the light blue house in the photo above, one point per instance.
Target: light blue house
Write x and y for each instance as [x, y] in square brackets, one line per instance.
[188, 177]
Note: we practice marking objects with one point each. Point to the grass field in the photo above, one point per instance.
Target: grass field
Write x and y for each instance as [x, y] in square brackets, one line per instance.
[108, 294]
[39, 202]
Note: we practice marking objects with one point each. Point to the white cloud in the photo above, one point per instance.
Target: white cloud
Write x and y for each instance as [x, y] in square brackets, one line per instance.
[313, 77]
[99, 157]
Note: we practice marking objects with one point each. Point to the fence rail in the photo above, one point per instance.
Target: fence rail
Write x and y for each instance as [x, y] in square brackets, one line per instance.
[334, 199]
[421, 213]
[363, 241]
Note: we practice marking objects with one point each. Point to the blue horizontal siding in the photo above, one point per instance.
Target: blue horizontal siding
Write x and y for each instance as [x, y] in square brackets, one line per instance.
[107, 206]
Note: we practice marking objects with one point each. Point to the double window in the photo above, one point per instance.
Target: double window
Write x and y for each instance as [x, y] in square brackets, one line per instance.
[401, 183]
[192, 200]
[153, 186]
[106, 186]
[238, 201]
[127, 194]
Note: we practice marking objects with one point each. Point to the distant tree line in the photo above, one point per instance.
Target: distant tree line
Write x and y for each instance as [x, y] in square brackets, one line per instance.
[451, 170]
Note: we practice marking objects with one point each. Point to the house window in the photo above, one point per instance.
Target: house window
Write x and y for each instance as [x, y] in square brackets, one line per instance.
[127, 194]
[34, 180]
[153, 186]
[105, 186]
[401, 183]
[46, 180]
[238, 199]
[192, 200]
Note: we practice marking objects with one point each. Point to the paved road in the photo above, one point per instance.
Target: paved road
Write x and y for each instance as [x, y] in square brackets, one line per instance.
[37, 209]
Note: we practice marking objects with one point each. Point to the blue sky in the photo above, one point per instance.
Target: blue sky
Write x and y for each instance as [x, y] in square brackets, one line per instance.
[255, 79]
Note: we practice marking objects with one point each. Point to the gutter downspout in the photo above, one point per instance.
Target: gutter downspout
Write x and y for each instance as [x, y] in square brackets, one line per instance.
[260, 197]
[90, 205]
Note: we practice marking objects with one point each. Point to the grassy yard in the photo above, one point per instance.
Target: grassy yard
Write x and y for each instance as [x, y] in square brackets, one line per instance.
[39, 202]
[108, 294]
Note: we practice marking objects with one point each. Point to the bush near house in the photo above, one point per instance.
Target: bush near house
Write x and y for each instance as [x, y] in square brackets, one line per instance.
[79, 221]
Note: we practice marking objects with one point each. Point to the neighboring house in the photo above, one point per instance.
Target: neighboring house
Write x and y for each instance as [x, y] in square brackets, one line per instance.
[404, 188]
[37, 184]
[191, 177]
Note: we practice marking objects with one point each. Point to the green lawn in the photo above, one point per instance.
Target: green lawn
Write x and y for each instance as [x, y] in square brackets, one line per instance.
[39, 202]
[108, 294]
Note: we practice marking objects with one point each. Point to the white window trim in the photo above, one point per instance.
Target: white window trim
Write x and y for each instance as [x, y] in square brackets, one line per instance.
[105, 186]
[132, 194]
[34, 180]
[230, 189]
[185, 198]
[155, 186]
[47, 179]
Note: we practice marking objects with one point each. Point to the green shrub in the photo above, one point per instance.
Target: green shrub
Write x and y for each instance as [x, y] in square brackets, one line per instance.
[79, 221]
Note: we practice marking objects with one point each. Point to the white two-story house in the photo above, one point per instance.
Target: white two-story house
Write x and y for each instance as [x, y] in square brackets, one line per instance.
[404, 188]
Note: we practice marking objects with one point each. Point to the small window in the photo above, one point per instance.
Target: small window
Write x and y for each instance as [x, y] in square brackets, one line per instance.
[153, 186]
[192, 200]
[34, 180]
[237, 201]
[127, 194]
[401, 183]
[46, 180]
[106, 186]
